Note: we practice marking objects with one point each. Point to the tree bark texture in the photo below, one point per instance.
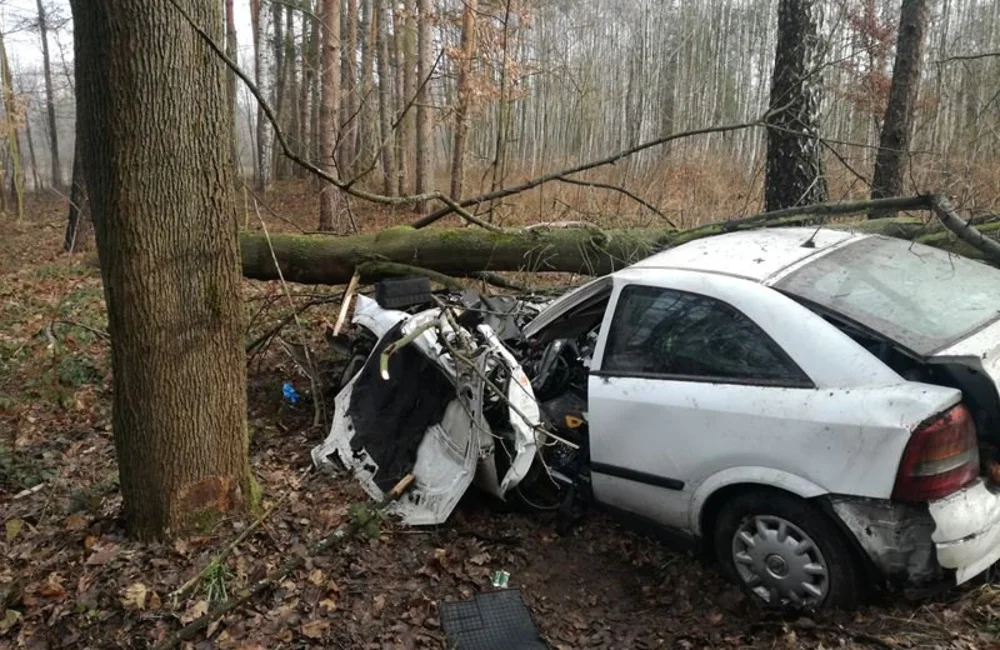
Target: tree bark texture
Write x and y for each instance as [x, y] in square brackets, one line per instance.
[794, 166]
[50, 105]
[154, 126]
[329, 109]
[897, 126]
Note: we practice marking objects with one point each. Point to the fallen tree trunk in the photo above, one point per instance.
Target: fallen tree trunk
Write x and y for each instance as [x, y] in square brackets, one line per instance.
[468, 252]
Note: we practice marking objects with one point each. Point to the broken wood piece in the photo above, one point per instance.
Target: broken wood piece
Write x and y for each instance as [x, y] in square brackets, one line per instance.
[345, 303]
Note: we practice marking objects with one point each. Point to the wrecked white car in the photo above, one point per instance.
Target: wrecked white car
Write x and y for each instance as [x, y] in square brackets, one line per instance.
[812, 406]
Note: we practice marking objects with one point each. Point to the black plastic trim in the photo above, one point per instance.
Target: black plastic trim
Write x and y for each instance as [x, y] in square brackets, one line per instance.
[637, 476]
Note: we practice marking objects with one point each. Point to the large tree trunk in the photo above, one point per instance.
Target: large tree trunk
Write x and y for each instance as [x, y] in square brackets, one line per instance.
[50, 104]
[897, 127]
[794, 165]
[329, 109]
[313, 259]
[154, 125]
[425, 131]
[464, 92]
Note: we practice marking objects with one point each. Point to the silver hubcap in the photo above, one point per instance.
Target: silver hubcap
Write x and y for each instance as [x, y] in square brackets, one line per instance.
[779, 562]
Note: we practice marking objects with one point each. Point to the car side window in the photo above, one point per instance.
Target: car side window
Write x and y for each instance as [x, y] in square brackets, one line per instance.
[664, 332]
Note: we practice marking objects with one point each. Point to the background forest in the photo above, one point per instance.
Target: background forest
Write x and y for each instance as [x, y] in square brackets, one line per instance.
[526, 86]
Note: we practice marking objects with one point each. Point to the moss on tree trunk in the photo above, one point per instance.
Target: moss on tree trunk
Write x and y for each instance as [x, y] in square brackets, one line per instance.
[318, 259]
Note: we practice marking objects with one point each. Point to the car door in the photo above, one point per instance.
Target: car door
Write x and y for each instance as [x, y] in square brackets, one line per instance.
[686, 385]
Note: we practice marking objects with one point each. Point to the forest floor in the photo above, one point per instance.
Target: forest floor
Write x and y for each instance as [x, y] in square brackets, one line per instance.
[70, 578]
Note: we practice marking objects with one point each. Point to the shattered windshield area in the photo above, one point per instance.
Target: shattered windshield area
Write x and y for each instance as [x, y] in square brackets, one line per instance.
[921, 297]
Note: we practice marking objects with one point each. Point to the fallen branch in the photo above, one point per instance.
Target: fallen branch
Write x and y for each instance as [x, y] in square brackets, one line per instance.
[470, 252]
[271, 333]
[615, 188]
[499, 281]
[179, 593]
[946, 214]
[372, 271]
[969, 57]
[342, 533]
[560, 175]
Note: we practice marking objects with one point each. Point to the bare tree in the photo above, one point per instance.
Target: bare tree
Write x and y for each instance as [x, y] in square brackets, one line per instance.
[425, 142]
[794, 165]
[14, 116]
[329, 109]
[50, 105]
[383, 18]
[231, 50]
[464, 91]
[406, 43]
[260, 148]
[897, 126]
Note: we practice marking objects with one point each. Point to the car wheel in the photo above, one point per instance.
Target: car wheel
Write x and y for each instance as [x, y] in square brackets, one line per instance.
[785, 553]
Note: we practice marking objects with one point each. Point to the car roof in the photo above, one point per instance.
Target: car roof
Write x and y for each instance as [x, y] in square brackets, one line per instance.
[757, 255]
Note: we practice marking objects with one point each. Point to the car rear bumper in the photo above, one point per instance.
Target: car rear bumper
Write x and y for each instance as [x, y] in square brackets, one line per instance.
[967, 530]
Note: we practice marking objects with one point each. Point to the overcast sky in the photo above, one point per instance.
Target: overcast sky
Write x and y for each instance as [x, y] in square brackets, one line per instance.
[25, 48]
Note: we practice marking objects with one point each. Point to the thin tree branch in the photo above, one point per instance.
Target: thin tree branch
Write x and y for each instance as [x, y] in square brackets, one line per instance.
[969, 57]
[601, 162]
[616, 188]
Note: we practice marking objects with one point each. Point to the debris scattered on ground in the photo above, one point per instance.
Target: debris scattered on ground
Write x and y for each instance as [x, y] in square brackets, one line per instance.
[497, 620]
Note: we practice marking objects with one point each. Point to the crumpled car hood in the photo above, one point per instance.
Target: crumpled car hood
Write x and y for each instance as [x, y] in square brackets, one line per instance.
[422, 413]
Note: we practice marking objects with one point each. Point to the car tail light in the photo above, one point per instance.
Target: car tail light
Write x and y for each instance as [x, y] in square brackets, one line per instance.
[942, 457]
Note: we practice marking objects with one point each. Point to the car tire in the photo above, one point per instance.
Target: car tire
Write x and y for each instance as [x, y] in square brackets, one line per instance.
[784, 552]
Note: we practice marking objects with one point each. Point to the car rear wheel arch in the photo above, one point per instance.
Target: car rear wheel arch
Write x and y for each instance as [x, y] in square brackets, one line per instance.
[811, 514]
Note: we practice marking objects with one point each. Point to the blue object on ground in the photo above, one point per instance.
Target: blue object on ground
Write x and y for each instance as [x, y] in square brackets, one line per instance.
[289, 392]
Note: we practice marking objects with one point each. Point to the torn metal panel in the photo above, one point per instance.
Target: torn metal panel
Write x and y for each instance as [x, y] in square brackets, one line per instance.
[420, 409]
[895, 536]
[525, 416]
[967, 536]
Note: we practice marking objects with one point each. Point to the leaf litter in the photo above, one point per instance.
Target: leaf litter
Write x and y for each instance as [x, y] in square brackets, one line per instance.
[70, 577]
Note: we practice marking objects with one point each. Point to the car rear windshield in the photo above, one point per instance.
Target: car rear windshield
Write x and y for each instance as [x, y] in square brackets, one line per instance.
[920, 297]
